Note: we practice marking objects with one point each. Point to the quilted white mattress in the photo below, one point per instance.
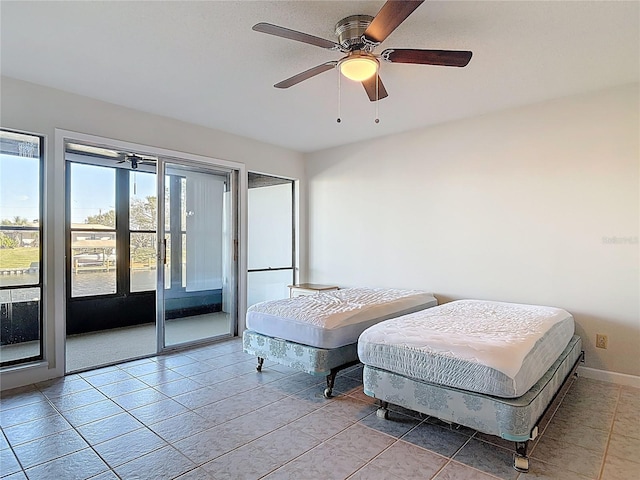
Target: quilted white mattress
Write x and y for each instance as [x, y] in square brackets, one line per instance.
[333, 319]
[495, 348]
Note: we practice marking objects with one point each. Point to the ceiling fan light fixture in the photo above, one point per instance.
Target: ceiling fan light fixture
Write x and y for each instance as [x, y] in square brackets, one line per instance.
[358, 67]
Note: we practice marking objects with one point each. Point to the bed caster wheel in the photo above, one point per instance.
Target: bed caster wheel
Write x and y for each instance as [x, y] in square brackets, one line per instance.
[521, 464]
[259, 368]
[260, 362]
[382, 413]
[328, 393]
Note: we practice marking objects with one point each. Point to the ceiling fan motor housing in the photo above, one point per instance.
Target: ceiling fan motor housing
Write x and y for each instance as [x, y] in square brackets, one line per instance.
[349, 31]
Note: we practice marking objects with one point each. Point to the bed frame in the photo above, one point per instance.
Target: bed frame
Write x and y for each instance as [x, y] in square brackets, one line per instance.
[308, 359]
[315, 360]
[513, 419]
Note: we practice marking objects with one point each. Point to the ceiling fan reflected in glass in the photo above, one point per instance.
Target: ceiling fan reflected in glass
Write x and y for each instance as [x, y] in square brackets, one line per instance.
[358, 36]
[135, 160]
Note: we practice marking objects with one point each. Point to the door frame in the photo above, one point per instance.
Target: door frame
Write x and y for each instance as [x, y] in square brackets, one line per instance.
[58, 294]
[295, 218]
[106, 304]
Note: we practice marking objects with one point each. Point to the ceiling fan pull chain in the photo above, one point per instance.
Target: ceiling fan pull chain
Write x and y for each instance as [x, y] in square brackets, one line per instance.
[339, 83]
[377, 119]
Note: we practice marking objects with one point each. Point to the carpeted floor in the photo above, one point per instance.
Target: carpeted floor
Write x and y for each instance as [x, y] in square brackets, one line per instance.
[90, 350]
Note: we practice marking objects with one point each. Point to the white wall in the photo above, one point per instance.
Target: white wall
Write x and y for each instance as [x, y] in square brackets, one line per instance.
[514, 206]
[41, 110]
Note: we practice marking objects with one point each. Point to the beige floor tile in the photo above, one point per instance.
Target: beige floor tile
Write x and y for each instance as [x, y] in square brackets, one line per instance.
[277, 423]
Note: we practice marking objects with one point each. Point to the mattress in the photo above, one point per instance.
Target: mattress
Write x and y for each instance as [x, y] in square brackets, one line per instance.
[333, 319]
[494, 348]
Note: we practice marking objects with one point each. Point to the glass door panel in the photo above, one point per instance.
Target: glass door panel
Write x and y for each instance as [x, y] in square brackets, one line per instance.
[268, 285]
[198, 274]
[111, 261]
[271, 238]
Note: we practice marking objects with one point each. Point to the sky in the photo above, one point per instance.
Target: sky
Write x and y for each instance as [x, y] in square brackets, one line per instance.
[18, 187]
[92, 187]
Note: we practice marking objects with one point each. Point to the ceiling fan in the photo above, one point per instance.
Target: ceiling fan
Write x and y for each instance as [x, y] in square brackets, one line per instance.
[358, 36]
[104, 152]
[136, 160]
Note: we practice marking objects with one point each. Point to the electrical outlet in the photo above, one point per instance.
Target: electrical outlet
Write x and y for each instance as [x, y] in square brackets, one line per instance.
[601, 340]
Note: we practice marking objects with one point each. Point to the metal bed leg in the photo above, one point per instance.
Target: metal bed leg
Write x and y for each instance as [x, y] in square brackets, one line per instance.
[520, 458]
[260, 362]
[383, 411]
[331, 378]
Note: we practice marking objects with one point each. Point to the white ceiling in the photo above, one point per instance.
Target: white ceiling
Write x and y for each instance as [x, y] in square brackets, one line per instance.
[200, 62]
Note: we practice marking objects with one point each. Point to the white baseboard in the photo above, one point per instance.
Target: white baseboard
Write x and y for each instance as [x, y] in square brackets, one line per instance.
[611, 377]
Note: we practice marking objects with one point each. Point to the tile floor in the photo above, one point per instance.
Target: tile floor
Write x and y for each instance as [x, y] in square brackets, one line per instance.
[207, 414]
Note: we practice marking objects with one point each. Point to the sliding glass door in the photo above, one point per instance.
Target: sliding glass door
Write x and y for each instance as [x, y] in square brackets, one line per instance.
[111, 259]
[151, 253]
[197, 280]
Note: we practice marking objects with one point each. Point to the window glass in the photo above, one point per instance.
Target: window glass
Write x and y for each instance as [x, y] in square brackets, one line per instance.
[143, 261]
[20, 247]
[19, 209]
[142, 201]
[270, 237]
[93, 196]
[142, 223]
[93, 236]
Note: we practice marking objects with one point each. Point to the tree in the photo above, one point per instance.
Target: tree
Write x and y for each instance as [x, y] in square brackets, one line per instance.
[7, 241]
[108, 219]
[17, 220]
[13, 239]
[142, 213]
[142, 216]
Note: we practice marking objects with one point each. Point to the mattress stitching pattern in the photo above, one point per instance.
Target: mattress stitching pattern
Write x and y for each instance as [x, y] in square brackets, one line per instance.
[334, 309]
[309, 323]
[390, 346]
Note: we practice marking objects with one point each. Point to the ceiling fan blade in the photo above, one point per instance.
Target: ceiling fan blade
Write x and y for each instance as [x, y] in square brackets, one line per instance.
[392, 14]
[295, 35]
[447, 58]
[370, 87]
[312, 72]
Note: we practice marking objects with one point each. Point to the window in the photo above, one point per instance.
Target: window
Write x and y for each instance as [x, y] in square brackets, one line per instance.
[271, 225]
[142, 230]
[21, 171]
[93, 230]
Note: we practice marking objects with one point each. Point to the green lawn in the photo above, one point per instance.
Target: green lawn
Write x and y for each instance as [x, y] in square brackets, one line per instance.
[21, 257]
